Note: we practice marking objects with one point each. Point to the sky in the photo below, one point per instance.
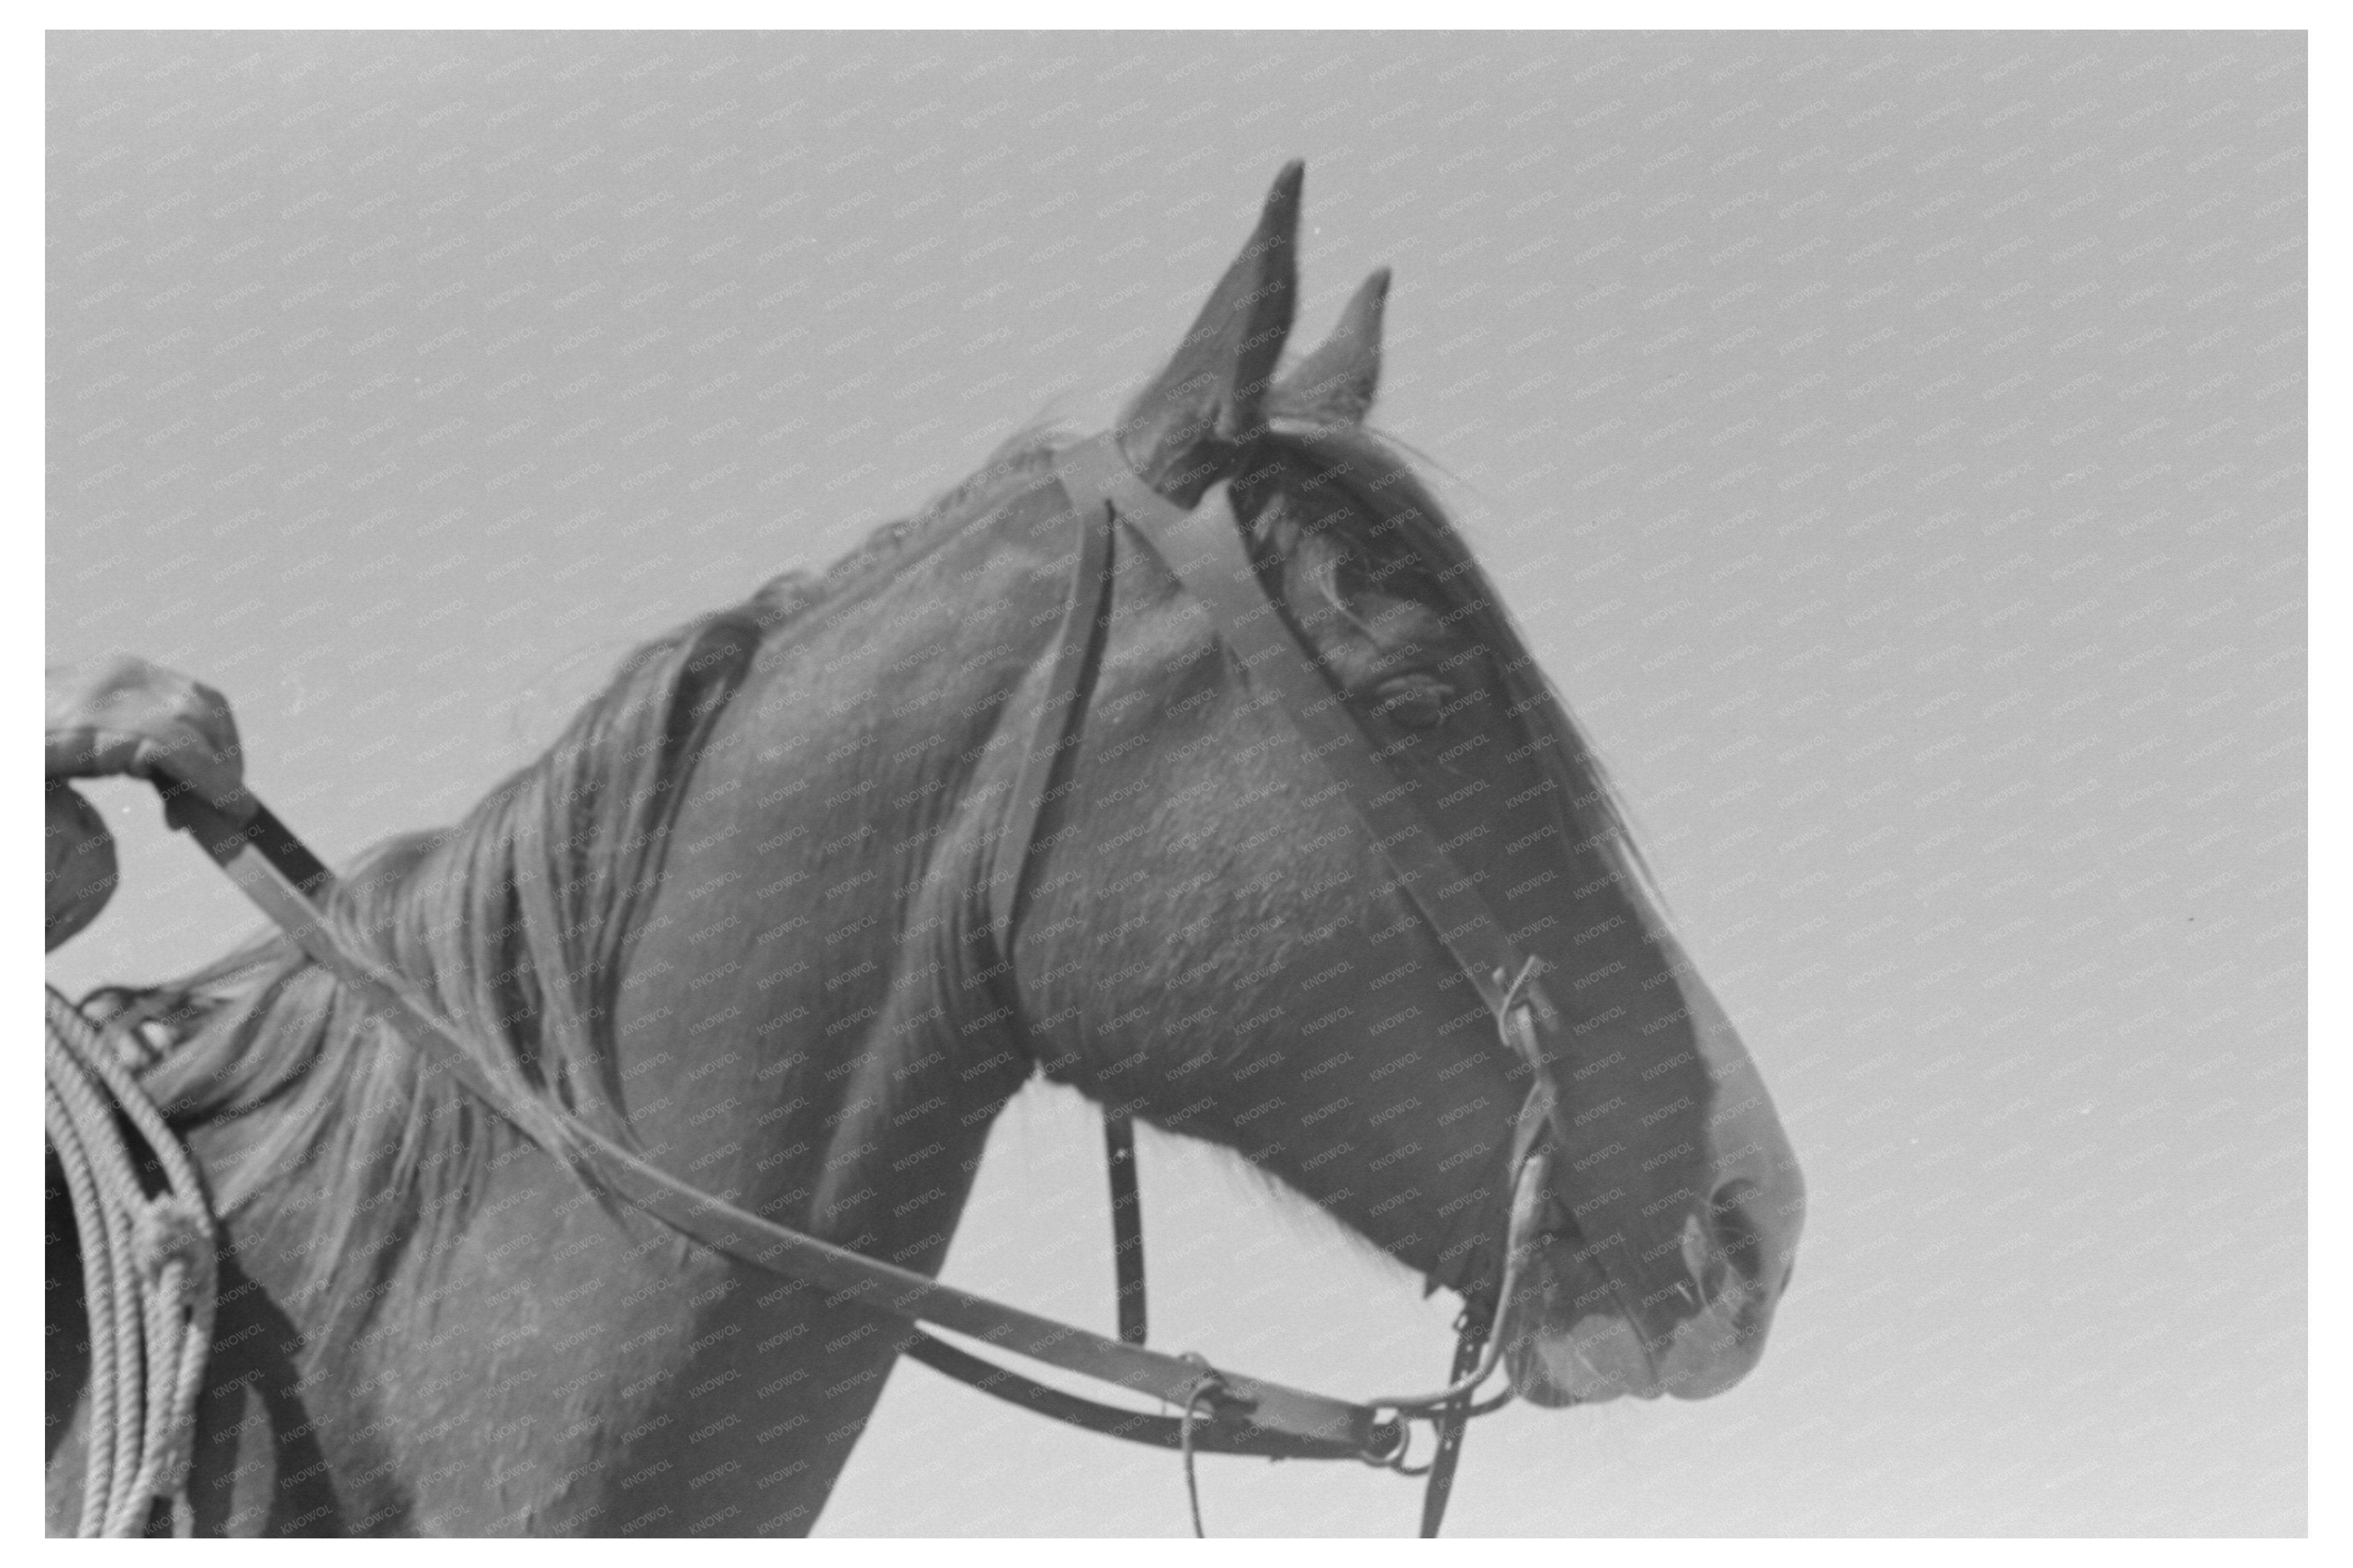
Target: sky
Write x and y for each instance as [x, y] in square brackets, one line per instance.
[1893, 445]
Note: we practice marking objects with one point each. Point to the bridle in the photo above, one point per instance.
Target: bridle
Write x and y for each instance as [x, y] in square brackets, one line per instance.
[1224, 1412]
[1204, 549]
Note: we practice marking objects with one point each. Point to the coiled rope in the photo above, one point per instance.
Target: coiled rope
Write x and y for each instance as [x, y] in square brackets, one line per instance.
[148, 1279]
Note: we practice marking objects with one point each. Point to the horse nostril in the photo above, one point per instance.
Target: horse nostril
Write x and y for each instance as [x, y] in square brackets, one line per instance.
[1734, 1232]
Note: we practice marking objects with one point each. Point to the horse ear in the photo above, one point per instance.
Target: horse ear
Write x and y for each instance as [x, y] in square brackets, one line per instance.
[1334, 385]
[1182, 431]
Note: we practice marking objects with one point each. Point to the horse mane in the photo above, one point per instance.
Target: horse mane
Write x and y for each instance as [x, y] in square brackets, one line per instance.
[785, 601]
[511, 928]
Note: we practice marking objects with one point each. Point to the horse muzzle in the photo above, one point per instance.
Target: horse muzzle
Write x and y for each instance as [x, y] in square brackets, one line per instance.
[1571, 1338]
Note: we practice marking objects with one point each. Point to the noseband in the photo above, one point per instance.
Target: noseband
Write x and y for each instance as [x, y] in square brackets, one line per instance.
[1225, 1412]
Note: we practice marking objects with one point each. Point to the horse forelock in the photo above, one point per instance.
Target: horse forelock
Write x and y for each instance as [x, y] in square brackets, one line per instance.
[1401, 514]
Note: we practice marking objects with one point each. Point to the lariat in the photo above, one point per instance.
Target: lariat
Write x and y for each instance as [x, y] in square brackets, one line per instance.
[148, 1275]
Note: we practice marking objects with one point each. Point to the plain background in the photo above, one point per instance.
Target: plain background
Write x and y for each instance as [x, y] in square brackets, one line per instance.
[1893, 445]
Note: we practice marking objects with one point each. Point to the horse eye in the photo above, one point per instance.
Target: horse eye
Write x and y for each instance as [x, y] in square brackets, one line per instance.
[1417, 701]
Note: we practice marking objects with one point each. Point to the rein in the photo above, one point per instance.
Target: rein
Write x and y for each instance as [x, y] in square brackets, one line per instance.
[1224, 1412]
[1280, 1422]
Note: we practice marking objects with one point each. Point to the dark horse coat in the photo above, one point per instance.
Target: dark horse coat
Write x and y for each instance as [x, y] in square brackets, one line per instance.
[736, 916]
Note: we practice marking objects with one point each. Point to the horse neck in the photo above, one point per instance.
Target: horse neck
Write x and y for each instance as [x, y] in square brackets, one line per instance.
[809, 1025]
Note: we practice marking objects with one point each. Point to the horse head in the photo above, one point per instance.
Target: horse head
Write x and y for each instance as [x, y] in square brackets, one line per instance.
[1215, 943]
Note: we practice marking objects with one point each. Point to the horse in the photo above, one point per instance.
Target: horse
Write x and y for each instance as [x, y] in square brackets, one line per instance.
[736, 918]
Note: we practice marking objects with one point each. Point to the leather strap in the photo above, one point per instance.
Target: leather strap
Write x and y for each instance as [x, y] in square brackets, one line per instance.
[1454, 1420]
[1054, 728]
[1126, 1223]
[1054, 734]
[1109, 1421]
[1335, 1426]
